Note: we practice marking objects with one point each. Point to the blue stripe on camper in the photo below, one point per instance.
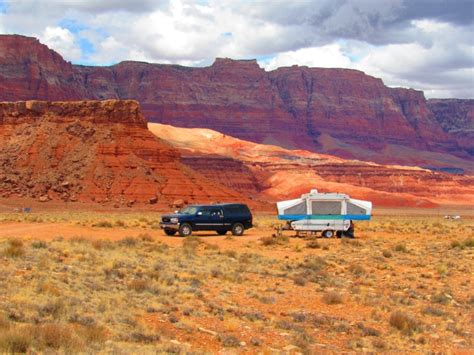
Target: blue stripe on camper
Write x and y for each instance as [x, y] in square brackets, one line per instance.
[297, 217]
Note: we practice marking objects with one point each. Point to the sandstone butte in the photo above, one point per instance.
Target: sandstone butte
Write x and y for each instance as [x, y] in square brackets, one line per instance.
[96, 151]
[335, 111]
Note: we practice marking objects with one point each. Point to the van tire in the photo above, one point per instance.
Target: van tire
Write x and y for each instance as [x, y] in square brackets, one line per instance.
[237, 229]
[328, 233]
[185, 230]
[170, 232]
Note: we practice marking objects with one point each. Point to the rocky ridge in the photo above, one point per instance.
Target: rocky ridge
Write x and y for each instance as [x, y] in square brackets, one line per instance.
[336, 111]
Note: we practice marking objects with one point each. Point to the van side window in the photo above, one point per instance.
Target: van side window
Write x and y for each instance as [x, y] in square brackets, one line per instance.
[216, 213]
[205, 212]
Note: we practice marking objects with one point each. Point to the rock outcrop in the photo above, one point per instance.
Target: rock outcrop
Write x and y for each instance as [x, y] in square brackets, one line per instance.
[92, 151]
[336, 111]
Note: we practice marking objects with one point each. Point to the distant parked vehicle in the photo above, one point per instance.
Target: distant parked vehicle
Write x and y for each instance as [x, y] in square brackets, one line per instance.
[222, 218]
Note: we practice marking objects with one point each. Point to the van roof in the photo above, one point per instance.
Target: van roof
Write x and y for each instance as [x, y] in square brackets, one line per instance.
[220, 205]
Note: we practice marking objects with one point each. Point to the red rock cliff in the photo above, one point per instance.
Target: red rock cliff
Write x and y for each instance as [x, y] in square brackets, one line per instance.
[338, 111]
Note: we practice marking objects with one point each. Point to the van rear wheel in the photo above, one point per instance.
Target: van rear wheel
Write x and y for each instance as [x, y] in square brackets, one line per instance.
[185, 230]
[328, 234]
[237, 229]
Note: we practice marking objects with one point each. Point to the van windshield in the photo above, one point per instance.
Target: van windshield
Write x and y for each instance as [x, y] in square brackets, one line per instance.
[188, 210]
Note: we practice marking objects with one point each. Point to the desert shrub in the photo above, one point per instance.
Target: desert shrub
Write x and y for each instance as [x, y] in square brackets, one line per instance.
[144, 337]
[38, 244]
[299, 317]
[357, 269]
[332, 297]
[469, 243]
[379, 344]
[57, 336]
[120, 223]
[190, 244]
[100, 244]
[15, 249]
[313, 244]
[15, 341]
[93, 333]
[55, 309]
[401, 248]
[229, 341]
[128, 242]
[138, 285]
[145, 237]
[314, 263]
[387, 253]
[274, 240]
[302, 339]
[299, 280]
[404, 322]
[440, 298]
[231, 254]
[433, 311]
[4, 323]
[103, 224]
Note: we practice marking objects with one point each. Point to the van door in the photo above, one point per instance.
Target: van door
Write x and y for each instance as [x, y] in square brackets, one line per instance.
[209, 218]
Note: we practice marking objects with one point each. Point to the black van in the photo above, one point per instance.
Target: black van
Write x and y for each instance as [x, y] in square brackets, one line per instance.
[234, 217]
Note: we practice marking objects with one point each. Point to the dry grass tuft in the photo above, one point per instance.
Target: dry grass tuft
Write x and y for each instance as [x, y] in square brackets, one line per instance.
[404, 322]
[332, 297]
[15, 249]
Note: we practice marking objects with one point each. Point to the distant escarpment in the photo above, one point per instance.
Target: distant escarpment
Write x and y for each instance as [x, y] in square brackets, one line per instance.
[335, 111]
[96, 151]
[456, 116]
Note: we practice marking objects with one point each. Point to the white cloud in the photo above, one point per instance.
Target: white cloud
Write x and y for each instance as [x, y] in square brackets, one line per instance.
[400, 41]
[329, 56]
[62, 41]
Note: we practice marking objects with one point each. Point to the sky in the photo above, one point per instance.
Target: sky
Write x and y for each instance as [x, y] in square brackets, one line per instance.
[424, 44]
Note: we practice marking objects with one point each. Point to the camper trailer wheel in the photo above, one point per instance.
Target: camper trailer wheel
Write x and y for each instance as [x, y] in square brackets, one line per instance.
[237, 229]
[185, 230]
[328, 234]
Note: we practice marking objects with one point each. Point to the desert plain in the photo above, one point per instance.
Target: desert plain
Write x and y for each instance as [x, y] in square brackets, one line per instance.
[98, 280]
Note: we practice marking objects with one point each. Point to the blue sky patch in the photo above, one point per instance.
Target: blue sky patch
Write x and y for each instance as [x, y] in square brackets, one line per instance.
[3, 7]
[72, 25]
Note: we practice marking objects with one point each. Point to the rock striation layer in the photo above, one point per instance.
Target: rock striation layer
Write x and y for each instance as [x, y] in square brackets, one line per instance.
[92, 151]
[336, 111]
[275, 173]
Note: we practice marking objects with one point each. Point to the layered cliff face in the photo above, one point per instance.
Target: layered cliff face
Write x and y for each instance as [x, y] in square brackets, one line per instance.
[457, 118]
[337, 111]
[92, 151]
[275, 173]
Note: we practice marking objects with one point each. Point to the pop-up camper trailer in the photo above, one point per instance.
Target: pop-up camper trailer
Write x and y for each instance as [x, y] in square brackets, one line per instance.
[329, 213]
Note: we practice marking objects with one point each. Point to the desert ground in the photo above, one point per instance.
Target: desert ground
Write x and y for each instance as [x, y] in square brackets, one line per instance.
[111, 281]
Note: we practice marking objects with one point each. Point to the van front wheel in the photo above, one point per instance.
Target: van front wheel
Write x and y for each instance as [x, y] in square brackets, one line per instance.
[185, 230]
[328, 234]
[237, 229]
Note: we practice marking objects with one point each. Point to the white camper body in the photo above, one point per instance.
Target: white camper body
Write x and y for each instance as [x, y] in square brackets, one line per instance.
[325, 212]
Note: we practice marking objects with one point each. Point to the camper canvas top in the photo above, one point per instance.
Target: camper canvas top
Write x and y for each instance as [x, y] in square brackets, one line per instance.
[331, 206]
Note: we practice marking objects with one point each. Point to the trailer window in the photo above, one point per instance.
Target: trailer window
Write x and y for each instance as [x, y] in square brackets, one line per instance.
[300, 208]
[354, 209]
[326, 207]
